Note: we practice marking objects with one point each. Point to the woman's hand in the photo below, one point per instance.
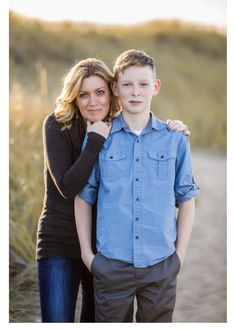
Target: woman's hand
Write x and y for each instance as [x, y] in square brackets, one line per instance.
[178, 126]
[99, 127]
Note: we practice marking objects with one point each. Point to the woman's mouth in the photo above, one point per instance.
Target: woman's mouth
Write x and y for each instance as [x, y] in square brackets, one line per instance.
[94, 110]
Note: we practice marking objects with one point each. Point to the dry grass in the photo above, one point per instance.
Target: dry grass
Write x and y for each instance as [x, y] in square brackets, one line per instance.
[192, 68]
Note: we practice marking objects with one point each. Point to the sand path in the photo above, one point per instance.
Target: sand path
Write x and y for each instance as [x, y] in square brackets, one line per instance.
[201, 293]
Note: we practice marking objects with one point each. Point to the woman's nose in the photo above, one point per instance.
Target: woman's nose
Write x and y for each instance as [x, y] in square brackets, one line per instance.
[93, 100]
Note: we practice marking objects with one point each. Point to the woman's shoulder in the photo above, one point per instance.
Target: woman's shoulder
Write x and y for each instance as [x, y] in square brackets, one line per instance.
[51, 122]
[52, 128]
[50, 119]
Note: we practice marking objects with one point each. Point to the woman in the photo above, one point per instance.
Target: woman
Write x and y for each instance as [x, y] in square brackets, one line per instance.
[86, 102]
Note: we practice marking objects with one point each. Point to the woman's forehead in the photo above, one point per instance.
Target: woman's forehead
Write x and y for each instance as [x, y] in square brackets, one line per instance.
[93, 82]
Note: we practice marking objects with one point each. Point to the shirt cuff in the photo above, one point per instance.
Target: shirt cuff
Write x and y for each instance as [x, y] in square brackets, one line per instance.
[190, 194]
[88, 199]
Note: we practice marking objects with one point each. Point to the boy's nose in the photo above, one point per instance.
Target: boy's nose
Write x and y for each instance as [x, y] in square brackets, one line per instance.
[135, 92]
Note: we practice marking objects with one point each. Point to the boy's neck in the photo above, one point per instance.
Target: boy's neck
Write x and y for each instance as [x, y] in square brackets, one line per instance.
[136, 122]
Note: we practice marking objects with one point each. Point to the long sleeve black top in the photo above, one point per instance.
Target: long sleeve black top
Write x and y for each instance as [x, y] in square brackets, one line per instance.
[66, 170]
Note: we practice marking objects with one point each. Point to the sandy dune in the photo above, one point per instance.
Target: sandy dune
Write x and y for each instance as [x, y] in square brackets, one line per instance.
[202, 281]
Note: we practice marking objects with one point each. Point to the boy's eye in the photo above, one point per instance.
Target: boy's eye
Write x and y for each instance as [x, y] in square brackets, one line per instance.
[144, 84]
[126, 84]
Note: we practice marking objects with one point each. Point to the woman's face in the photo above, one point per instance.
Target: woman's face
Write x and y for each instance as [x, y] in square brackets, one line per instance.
[93, 98]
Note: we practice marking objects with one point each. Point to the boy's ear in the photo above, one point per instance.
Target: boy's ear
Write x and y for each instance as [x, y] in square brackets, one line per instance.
[157, 87]
[114, 88]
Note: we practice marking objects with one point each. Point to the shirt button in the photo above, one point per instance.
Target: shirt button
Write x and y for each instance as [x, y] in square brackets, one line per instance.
[137, 141]
[137, 199]
[111, 157]
[136, 219]
[137, 159]
[136, 237]
[136, 179]
[162, 156]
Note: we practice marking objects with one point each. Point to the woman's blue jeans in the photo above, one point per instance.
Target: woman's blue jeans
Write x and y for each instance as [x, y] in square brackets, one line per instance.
[59, 280]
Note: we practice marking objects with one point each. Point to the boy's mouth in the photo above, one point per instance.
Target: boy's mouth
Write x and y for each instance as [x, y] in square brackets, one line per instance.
[135, 102]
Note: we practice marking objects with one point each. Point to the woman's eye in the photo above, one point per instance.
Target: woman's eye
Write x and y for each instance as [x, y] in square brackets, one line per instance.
[83, 95]
[100, 92]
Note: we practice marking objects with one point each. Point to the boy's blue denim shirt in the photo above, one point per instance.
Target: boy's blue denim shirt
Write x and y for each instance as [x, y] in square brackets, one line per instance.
[137, 182]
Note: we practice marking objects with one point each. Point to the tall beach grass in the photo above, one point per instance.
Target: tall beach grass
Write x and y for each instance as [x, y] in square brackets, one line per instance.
[191, 66]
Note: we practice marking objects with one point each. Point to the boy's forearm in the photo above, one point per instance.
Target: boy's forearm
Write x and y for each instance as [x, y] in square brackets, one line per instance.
[83, 217]
[185, 220]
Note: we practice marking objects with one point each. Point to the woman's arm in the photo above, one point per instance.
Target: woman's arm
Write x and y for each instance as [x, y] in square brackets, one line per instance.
[69, 176]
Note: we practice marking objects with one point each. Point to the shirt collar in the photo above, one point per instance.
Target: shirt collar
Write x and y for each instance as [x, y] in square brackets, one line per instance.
[154, 123]
[118, 123]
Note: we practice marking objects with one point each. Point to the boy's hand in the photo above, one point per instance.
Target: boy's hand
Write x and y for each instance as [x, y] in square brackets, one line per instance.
[87, 259]
[181, 257]
[178, 125]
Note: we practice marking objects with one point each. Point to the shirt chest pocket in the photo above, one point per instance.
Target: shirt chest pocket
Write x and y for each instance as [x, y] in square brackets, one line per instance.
[161, 164]
[113, 165]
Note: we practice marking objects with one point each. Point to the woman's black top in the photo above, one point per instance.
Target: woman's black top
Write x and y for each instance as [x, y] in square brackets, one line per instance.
[66, 171]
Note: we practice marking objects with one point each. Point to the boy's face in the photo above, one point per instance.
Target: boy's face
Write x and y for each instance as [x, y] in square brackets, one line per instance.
[135, 88]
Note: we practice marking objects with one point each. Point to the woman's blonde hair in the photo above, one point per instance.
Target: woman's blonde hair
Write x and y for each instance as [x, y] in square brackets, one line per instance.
[66, 110]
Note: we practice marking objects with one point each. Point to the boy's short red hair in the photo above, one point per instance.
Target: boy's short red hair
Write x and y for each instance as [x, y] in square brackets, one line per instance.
[133, 57]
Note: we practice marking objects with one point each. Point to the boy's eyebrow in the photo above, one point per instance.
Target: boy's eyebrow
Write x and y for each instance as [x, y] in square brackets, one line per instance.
[130, 80]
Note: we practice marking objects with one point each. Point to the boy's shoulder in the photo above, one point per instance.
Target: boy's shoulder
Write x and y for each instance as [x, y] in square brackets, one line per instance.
[169, 139]
[162, 125]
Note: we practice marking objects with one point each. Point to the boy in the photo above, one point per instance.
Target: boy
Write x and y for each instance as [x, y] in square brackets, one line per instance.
[143, 172]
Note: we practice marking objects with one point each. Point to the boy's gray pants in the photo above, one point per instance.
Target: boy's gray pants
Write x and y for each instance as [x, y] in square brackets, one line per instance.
[116, 284]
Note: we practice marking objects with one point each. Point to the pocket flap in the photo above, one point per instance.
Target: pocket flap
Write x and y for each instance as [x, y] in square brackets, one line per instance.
[113, 155]
[161, 155]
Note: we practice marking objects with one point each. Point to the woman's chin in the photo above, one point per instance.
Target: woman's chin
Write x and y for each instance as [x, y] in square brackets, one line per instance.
[93, 119]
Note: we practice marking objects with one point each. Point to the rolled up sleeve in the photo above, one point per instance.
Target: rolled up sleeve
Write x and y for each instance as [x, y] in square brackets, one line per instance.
[185, 185]
[90, 190]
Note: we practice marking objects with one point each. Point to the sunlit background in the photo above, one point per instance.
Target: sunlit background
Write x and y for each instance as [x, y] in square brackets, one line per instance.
[210, 12]
[188, 38]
